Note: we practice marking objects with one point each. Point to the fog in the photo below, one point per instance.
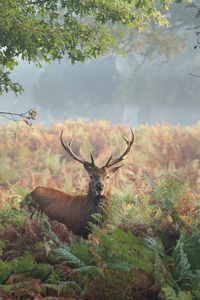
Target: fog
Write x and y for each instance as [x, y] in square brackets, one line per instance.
[132, 90]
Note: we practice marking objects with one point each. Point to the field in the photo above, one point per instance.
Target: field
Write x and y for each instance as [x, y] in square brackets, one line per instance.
[149, 248]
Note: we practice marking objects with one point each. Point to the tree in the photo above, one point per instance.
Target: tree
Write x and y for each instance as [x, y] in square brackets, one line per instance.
[165, 42]
[45, 30]
[134, 88]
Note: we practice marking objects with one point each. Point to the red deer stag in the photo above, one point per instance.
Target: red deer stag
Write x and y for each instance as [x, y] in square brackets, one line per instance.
[76, 211]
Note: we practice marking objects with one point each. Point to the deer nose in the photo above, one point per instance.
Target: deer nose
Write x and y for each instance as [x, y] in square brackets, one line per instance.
[99, 186]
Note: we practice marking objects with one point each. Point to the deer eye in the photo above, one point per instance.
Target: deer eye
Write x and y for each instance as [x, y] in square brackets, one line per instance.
[108, 176]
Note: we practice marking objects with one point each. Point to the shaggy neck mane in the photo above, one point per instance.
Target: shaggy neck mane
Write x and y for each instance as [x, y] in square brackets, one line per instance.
[97, 205]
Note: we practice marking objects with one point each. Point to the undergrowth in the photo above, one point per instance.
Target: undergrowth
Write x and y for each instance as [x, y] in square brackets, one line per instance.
[149, 248]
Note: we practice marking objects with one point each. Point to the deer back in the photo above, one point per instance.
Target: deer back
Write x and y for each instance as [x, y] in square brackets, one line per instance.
[60, 206]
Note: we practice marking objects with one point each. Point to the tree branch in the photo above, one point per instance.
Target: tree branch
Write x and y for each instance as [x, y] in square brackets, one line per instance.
[26, 117]
[194, 75]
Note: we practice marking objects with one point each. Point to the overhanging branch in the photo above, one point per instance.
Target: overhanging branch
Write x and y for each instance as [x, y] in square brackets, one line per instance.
[27, 117]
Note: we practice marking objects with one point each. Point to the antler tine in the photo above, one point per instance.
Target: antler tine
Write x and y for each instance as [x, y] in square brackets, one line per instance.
[123, 156]
[107, 164]
[67, 147]
[92, 158]
[70, 142]
[125, 139]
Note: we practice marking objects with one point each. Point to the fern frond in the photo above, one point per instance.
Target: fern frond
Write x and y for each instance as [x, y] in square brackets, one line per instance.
[170, 294]
[65, 255]
[155, 245]
[183, 272]
[90, 270]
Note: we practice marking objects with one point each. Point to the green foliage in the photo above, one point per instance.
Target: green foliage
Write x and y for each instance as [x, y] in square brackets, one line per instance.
[191, 248]
[166, 42]
[64, 287]
[67, 256]
[47, 30]
[20, 191]
[111, 257]
[11, 216]
[2, 245]
[115, 262]
[168, 195]
[123, 207]
[170, 189]
[129, 208]
[127, 248]
[122, 259]
[24, 264]
[183, 273]
[175, 274]
[170, 294]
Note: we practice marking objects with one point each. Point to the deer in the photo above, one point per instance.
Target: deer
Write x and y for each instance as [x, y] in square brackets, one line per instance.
[76, 212]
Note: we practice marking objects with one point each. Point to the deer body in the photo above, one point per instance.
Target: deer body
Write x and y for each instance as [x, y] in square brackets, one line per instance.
[65, 208]
[77, 211]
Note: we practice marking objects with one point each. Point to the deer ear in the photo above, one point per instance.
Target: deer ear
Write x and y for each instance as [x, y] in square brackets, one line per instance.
[115, 169]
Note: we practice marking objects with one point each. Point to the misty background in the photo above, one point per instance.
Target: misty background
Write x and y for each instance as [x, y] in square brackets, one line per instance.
[151, 84]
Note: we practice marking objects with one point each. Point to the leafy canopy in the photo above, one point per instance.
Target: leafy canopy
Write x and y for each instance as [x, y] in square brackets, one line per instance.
[45, 30]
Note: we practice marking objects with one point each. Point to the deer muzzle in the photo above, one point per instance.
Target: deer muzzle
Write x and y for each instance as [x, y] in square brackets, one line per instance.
[99, 187]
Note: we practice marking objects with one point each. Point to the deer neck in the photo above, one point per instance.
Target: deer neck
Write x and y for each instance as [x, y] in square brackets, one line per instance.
[100, 204]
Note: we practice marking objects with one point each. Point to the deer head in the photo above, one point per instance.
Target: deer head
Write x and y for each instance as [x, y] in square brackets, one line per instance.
[99, 177]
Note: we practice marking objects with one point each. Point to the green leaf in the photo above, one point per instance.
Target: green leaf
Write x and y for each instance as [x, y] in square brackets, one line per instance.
[90, 270]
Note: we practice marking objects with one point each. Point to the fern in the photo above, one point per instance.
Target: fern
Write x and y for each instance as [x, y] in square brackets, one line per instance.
[170, 294]
[196, 285]
[120, 251]
[112, 259]
[65, 255]
[127, 247]
[11, 216]
[183, 272]
[2, 246]
[48, 230]
[24, 265]
[66, 287]
[155, 245]
[129, 208]
[191, 248]
[171, 189]
[90, 270]
[83, 251]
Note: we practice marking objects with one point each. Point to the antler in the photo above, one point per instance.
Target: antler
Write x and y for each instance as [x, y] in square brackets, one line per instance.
[123, 156]
[71, 153]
